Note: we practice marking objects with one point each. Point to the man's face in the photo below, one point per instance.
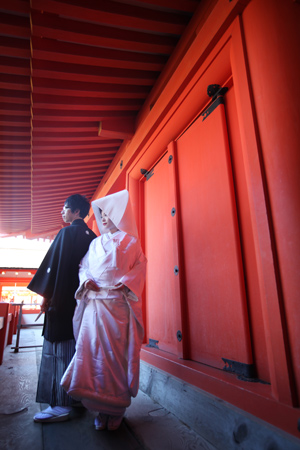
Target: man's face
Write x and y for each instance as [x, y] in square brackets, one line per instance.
[67, 215]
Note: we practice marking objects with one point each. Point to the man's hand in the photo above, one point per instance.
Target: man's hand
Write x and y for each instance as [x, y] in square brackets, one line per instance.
[45, 305]
[91, 286]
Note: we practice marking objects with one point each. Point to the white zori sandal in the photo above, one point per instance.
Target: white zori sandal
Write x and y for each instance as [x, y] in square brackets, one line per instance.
[55, 414]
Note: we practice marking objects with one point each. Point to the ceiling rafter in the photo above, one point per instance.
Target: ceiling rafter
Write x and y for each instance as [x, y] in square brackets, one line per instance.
[74, 75]
[47, 49]
[68, 30]
[116, 15]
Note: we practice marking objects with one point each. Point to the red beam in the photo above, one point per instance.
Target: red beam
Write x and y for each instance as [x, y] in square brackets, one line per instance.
[166, 5]
[85, 104]
[116, 15]
[14, 96]
[17, 6]
[75, 148]
[10, 46]
[83, 116]
[16, 121]
[121, 128]
[13, 25]
[54, 27]
[14, 109]
[48, 49]
[43, 125]
[14, 131]
[15, 66]
[49, 176]
[18, 82]
[82, 89]
[93, 74]
[73, 166]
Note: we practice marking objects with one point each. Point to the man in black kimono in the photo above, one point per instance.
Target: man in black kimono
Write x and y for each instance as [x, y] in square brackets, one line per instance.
[57, 280]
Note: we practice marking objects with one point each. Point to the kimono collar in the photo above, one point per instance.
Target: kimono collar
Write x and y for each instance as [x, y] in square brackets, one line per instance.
[116, 237]
[78, 222]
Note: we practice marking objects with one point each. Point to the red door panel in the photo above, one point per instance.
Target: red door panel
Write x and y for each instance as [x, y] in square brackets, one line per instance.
[216, 300]
[161, 290]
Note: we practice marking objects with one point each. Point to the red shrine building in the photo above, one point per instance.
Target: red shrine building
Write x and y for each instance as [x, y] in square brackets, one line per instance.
[212, 163]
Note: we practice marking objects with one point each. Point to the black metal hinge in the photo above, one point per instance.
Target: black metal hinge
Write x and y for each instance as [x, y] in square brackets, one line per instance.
[216, 92]
[147, 174]
[245, 370]
[153, 344]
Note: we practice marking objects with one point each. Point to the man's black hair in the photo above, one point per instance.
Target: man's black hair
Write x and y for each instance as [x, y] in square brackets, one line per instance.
[80, 202]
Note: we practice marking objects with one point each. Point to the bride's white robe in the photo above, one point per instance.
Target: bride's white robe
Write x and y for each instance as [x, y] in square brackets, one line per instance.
[108, 326]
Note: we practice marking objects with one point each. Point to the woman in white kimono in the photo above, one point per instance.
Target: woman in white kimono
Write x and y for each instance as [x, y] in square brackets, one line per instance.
[108, 327]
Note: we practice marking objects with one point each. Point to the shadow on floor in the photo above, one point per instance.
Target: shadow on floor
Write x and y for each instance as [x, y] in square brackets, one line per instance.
[146, 425]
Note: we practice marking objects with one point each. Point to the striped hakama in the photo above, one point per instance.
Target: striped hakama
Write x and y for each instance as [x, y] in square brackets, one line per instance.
[56, 357]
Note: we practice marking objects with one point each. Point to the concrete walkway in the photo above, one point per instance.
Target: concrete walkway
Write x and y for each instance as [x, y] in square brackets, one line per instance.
[147, 425]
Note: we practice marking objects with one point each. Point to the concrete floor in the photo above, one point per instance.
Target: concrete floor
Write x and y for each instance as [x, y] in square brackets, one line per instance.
[147, 425]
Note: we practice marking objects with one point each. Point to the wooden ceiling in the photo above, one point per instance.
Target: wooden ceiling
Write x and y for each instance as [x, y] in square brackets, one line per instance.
[74, 76]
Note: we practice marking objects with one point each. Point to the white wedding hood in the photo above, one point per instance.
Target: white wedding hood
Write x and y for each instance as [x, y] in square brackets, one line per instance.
[118, 208]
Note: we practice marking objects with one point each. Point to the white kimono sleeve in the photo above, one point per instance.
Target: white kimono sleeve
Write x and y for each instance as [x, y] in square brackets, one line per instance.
[135, 278]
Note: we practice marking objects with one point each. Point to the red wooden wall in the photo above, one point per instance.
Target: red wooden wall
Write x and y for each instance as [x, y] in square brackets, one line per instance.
[219, 212]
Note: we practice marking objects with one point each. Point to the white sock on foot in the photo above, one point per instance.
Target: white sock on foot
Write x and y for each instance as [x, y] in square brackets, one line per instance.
[57, 410]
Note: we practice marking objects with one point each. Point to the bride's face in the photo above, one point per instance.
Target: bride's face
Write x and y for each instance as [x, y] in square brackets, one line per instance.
[107, 224]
